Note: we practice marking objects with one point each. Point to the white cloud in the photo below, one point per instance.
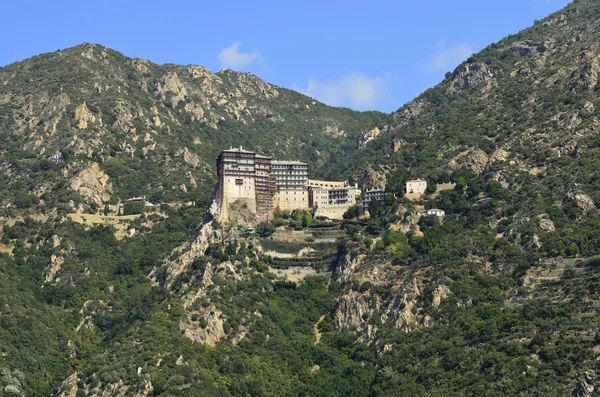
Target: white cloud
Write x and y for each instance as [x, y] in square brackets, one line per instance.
[446, 57]
[355, 90]
[232, 58]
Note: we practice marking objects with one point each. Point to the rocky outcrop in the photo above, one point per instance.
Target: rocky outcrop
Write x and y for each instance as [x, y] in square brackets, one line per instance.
[581, 200]
[204, 328]
[400, 312]
[39, 109]
[189, 157]
[55, 241]
[546, 224]
[441, 292]
[83, 116]
[239, 212]
[499, 155]
[54, 267]
[354, 311]
[365, 310]
[398, 144]
[334, 130]
[406, 115]
[69, 386]
[369, 136]
[170, 84]
[346, 267]
[184, 255]
[474, 159]
[472, 74]
[373, 179]
[93, 184]
[587, 385]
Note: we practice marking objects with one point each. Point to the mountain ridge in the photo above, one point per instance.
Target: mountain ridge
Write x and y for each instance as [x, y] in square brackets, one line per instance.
[94, 104]
[497, 297]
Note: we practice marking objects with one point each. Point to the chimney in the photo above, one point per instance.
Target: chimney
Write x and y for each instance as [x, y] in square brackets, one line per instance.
[241, 148]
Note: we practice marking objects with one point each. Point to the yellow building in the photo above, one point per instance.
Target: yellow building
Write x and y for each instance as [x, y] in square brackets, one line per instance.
[331, 199]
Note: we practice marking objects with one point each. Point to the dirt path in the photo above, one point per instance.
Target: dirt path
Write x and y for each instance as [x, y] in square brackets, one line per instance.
[318, 334]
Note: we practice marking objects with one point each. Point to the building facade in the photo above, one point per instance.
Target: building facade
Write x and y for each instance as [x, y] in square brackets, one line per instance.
[417, 186]
[291, 180]
[331, 199]
[436, 212]
[373, 195]
[433, 212]
[263, 185]
[246, 178]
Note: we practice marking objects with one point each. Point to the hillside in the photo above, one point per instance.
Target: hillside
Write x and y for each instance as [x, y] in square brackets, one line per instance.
[154, 130]
[525, 107]
[499, 297]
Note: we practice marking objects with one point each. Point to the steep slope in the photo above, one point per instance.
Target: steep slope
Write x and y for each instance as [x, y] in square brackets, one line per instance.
[497, 294]
[519, 120]
[154, 130]
[527, 100]
[500, 297]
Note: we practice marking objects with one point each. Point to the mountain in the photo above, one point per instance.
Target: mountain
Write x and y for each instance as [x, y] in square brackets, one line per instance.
[148, 130]
[499, 297]
[527, 104]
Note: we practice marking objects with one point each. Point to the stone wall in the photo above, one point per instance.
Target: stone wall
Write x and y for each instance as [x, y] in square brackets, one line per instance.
[290, 200]
[332, 212]
[232, 192]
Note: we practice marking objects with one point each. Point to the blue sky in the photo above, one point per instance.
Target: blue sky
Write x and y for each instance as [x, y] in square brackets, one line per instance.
[359, 54]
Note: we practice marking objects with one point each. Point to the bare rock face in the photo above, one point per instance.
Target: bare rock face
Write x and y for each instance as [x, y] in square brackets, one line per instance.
[141, 65]
[581, 200]
[441, 292]
[372, 179]
[587, 385]
[546, 223]
[334, 130]
[189, 157]
[170, 84]
[405, 116]
[40, 107]
[474, 159]
[398, 144]
[358, 310]
[240, 213]
[69, 386]
[354, 311]
[589, 72]
[83, 116]
[346, 268]
[500, 154]
[210, 331]
[369, 136]
[93, 184]
[55, 241]
[54, 267]
[471, 75]
[400, 313]
[186, 254]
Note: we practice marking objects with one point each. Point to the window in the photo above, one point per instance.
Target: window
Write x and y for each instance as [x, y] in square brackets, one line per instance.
[239, 181]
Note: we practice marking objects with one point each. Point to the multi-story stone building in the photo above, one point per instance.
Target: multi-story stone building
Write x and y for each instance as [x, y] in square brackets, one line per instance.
[331, 199]
[246, 178]
[291, 178]
[372, 195]
[416, 187]
[265, 185]
[262, 185]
